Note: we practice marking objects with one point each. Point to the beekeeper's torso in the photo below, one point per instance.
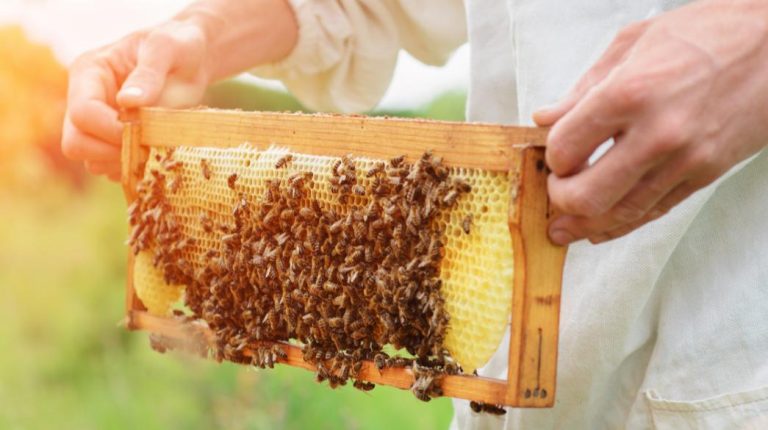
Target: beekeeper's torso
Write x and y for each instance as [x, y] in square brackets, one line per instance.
[665, 328]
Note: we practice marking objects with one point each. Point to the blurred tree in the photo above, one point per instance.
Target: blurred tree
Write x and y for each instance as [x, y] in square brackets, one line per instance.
[33, 90]
[238, 94]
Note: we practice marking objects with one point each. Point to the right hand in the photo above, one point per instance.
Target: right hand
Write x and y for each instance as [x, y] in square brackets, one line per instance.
[165, 66]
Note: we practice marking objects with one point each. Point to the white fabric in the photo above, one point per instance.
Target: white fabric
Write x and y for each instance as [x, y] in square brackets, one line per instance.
[347, 49]
[666, 328]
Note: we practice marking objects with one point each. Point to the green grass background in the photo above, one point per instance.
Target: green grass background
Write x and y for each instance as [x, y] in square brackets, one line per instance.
[66, 363]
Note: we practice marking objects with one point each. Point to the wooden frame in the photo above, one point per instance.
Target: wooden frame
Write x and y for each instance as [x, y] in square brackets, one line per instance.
[531, 377]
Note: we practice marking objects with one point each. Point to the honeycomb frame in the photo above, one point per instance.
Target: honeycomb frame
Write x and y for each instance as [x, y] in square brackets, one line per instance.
[515, 151]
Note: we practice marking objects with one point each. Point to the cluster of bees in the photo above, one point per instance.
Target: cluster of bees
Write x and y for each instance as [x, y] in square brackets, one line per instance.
[479, 407]
[342, 282]
[155, 228]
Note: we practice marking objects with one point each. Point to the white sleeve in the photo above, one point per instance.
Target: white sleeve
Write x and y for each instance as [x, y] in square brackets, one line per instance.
[347, 49]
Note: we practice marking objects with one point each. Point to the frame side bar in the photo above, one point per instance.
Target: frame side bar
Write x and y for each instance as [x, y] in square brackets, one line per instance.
[536, 297]
[131, 171]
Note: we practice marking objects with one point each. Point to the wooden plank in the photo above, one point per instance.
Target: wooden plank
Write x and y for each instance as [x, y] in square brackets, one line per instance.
[132, 157]
[468, 387]
[472, 145]
[532, 369]
[131, 172]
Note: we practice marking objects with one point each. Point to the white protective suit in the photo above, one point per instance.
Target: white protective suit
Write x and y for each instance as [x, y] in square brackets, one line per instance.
[665, 328]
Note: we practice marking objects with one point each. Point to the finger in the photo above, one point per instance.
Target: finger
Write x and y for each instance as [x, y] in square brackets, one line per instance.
[615, 54]
[648, 191]
[603, 113]
[144, 84]
[103, 168]
[91, 88]
[79, 146]
[596, 189]
[672, 199]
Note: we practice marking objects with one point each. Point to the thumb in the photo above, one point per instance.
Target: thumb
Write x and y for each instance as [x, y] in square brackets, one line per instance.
[145, 83]
[548, 115]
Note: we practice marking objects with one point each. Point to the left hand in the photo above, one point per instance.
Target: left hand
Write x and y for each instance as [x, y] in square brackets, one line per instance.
[685, 98]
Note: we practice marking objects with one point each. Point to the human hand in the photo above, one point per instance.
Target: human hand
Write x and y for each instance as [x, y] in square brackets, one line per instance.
[685, 98]
[161, 66]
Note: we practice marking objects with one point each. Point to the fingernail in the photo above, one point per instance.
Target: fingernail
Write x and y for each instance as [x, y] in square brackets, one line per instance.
[546, 109]
[561, 237]
[132, 92]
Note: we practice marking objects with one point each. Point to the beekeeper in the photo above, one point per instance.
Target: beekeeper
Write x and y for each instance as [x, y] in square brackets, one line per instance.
[666, 325]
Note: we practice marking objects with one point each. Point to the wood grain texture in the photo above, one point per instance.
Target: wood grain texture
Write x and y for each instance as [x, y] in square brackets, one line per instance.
[132, 157]
[131, 172]
[532, 371]
[472, 145]
[459, 386]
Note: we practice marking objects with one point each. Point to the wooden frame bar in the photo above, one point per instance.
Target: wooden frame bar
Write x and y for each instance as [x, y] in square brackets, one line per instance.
[531, 379]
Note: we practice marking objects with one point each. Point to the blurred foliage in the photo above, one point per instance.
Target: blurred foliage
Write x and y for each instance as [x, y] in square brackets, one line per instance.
[33, 89]
[67, 363]
[238, 94]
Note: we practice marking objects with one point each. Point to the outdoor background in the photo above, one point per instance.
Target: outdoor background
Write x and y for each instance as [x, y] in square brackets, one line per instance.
[66, 363]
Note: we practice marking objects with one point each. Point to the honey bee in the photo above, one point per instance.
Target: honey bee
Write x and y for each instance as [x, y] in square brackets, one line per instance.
[279, 352]
[331, 287]
[298, 179]
[356, 368]
[386, 319]
[359, 335]
[335, 167]
[344, 371]
[322, 373]
[231, 181]
[270, 273]
[174, 185]
[359, 190]
[364, 386]
[283, 161]
[287, 215]
[171, 165]
[375, 170]
[334, 382]
[420, 394]
[450, 198]
[307, 213]
[479, 407]
[466, 224]
[315, 289]
[158, 343]
[380, 361]
[336, 226]
[206, 168]
[463, 186]
[335, 322]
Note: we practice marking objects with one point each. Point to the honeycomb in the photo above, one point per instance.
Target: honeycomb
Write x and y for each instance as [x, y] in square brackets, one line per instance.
[476, 270]
[156, 295]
